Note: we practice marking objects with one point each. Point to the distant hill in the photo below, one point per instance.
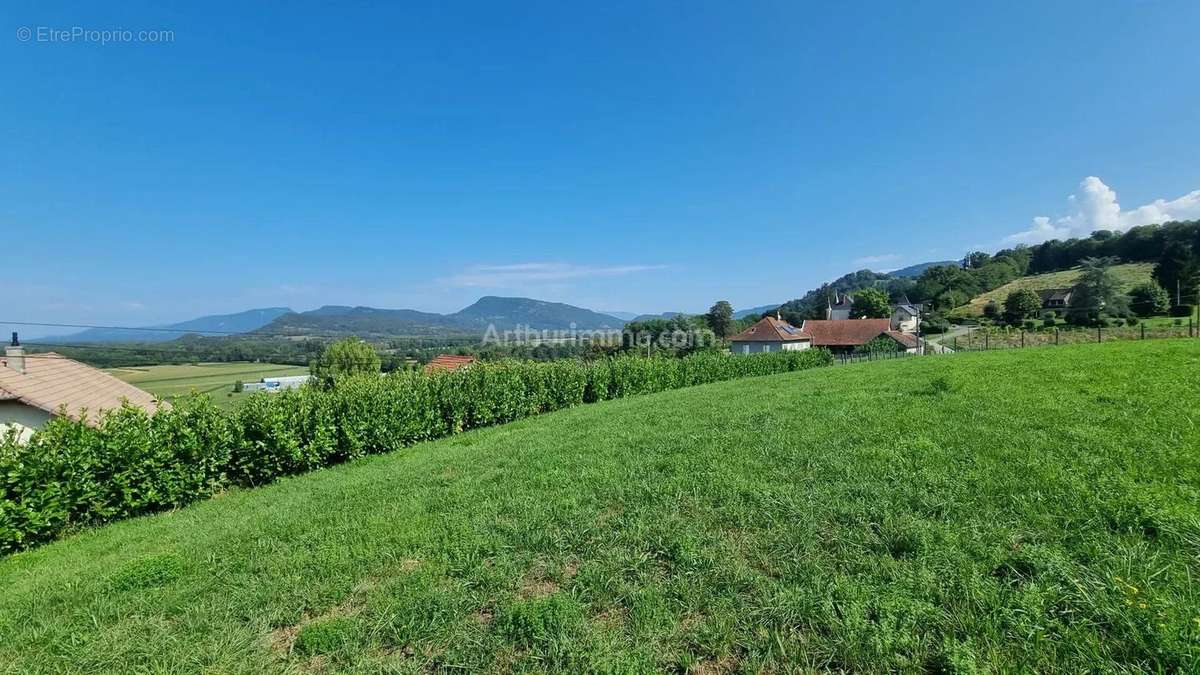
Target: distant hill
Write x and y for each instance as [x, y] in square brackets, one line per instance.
[624, 316]
[913, 271]
[743, 313]
[1129, 275]
[503, 313]
[364, 321]
[662, 315]
[242, 322]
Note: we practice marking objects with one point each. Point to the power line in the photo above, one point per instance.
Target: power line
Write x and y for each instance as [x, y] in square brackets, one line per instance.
[249, 334]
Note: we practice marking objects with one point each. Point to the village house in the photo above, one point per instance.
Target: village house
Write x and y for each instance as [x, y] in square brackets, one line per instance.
[838, 307]
[770, 334]
[1055, 298]
[905, 317]
[842, 337]
[37, 387]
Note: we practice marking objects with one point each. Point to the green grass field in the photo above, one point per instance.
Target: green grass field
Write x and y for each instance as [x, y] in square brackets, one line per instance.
[214, 379]
[1130, 275]
[1025, 510]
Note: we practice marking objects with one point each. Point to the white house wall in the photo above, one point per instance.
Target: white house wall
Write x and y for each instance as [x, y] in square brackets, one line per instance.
[25, 419]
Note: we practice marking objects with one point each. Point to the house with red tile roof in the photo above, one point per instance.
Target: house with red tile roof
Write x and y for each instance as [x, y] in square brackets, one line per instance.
[770, 334]
[448, 362]
[37, 387]
[847, 335]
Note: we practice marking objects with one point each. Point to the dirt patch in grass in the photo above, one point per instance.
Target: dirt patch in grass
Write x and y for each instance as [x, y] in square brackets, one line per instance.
[282, 640]
[539, 583]
[717, 666]
[535, 587]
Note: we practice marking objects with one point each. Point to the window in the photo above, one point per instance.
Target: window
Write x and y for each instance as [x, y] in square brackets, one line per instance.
[745, 349]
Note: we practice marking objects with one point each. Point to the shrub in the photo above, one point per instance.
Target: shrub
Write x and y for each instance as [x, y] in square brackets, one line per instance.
[1049, 322]
[132, 462]
[935, 326]
[1149, 299]
[1132, 321]
[1182, 310]
[1029, 324]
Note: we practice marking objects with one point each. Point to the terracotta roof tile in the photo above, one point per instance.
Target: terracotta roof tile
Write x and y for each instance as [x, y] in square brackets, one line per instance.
[770, 329]
[448, 362]
[52, 381]
[847, 333]
[907, 339]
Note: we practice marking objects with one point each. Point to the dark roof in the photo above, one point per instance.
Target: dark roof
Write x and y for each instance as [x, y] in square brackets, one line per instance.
[770, 329]
[448, 362]
[841, 301]
[847, 333]
[1049, 294]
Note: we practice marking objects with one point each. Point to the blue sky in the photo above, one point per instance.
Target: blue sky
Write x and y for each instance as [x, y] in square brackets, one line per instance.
[618, 156]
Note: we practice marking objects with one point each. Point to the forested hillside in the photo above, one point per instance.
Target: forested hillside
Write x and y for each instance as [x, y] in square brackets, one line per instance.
[1173, 248]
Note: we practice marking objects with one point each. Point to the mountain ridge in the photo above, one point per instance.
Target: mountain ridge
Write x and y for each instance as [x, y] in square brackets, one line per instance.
[235, 323]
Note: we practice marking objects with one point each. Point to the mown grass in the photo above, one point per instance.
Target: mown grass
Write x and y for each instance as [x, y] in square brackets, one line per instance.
[214, 379]
[1031, 510]
[1129, 274]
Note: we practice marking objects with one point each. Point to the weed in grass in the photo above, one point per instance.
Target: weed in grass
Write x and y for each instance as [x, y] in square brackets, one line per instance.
[327, 635]
[939, 386]
[146, 572]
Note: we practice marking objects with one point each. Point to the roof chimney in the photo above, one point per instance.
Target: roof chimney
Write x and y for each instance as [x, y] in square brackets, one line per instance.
[14, 354]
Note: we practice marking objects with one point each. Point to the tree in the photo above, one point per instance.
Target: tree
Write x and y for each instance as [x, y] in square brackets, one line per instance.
[1149, 299]
[344, 358]
[720, 317]
[1171, 269]
[870, 303]
[1097, 290]
[1020, 304]
[879, 344]
[977, 259]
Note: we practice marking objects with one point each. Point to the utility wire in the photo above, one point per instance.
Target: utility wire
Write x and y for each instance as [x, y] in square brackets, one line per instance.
[183, 332]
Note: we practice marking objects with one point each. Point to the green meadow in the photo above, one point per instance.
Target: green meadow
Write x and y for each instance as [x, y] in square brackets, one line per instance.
[1023, 510]
[214, 379]
[1128, 274]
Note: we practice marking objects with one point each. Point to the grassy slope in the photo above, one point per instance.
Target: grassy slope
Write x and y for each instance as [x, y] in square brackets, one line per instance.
[1130, 274]
[214, 379]
[978, 509]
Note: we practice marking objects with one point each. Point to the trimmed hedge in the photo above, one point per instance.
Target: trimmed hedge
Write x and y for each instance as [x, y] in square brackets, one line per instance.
[72, 475]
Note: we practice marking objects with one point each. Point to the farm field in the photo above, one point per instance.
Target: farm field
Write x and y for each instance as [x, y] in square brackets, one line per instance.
[214, 379]
[986, 512]
[1130, 275]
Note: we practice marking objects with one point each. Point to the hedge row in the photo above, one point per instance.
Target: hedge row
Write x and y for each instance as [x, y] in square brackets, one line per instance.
[71, 475]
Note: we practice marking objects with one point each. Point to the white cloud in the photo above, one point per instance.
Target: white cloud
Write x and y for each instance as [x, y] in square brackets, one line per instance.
[533, 273]
[875, 259]
[1096, 208]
